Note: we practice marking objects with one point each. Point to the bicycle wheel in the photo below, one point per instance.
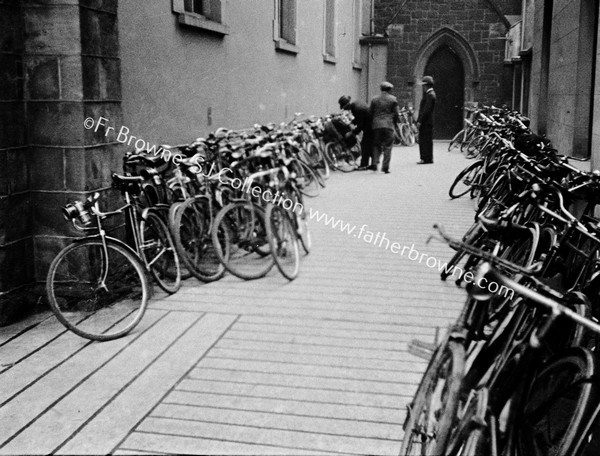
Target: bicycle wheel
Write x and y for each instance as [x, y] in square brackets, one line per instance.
[408, 136]
[456, 142]
[283, 241]
[193, 240]
[300, 218]
[185, 272]
[556, 411]
[96, 293]
[433, 410]
[340, 159]
[317, 162]
[465, 179]
[397, 134]
[475, 147]
[159, 252]
[307, 179]
[475, 236]
[240, 229]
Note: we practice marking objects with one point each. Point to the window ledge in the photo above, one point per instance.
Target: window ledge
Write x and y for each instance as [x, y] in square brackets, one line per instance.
[329, 58]
[284, 46]
[357, 66]
[201, 22]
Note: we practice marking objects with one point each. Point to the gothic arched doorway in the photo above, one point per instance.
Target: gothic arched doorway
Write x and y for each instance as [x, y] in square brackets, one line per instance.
[450, 59]
[449, 76]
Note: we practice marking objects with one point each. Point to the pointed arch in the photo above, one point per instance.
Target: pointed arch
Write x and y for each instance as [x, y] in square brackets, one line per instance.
[447, 37]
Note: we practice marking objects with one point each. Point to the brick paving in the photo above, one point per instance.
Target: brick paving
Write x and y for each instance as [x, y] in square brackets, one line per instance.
[319, 365]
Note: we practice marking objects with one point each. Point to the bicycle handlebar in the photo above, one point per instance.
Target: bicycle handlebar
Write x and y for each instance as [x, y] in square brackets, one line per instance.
[487, 272]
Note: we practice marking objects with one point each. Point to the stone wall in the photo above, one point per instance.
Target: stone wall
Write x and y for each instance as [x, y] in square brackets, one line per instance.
[16, 241]
[62, 66]
[596, 109]
[563, 73]
[476, 24]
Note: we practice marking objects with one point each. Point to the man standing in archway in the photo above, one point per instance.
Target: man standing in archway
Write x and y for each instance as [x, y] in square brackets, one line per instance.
[425, 121]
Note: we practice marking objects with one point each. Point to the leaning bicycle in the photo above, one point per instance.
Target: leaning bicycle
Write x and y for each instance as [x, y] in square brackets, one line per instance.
[98, 286]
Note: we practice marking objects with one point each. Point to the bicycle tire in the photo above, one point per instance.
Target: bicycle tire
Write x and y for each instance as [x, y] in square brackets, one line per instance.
[467, 177]
[341, 159]
[558, 405]
[397, 134]
[475, 147]
[308, 182]
[408, 135]
[243, 234]
[317, 162]
[425, 422]
[300, 219]
[283, 241]
[108, 312]
[456, 141]
[185, 272]
[497, 197]
[193, 240]
[159, 252]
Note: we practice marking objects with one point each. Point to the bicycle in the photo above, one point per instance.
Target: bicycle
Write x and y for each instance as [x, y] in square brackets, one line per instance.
[98, 286]
[406, 131]
[457, 410]
[287, 226]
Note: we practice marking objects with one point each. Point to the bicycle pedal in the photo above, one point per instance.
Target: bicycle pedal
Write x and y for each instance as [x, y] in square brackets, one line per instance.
[421, 349]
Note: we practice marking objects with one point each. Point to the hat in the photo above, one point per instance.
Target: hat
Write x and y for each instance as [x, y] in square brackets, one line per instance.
[386, 86]
[344, 101]
[427, 80]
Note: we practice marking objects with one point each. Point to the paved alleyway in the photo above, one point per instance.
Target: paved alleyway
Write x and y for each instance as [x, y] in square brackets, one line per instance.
[319, 365]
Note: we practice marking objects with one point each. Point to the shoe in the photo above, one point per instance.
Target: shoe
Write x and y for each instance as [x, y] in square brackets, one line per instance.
[362, 168]
[372, 168]
[421, 162]
[386, 171]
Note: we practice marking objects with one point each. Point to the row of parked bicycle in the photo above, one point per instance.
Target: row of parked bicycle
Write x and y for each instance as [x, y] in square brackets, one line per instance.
[517, 373]
[233, 201]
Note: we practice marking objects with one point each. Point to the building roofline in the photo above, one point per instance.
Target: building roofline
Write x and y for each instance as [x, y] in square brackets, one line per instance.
[499, 12]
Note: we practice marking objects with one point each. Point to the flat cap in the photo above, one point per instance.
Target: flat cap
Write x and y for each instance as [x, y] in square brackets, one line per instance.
[387, 86]
[427, 80]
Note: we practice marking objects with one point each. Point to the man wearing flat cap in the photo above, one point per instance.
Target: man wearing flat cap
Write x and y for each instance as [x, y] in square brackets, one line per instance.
[425, 121]
[384, 113]
[361, 123]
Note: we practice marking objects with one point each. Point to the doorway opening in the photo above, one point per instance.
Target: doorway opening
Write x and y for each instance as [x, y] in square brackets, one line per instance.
[449, 76]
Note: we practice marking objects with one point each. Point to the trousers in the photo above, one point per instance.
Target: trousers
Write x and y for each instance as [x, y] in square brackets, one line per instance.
[383, 140]
[366, 148]
[426, 143]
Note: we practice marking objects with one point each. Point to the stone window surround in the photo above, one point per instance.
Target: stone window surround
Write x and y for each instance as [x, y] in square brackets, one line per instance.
[213, 24]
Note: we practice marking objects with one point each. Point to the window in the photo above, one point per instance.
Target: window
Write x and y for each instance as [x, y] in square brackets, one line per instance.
[357, 15]
[203, 14]
[367, 14]
[329, 39]
[284, 26]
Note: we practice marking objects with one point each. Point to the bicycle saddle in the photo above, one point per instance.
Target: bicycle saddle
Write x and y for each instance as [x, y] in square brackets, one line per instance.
[121, 179]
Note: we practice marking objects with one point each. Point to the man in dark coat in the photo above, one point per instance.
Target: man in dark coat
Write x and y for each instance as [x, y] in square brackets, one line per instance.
[384, 112]
[361, 123]
[425, 121]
